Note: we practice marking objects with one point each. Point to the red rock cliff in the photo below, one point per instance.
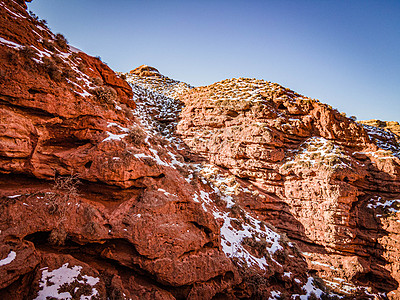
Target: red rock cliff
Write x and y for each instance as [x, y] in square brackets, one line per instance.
[330, 183]
[99, 200]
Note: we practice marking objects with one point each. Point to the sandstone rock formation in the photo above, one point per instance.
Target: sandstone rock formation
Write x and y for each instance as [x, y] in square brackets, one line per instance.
[159, 190]
[331, 184]
[95, 203]
[391, 126]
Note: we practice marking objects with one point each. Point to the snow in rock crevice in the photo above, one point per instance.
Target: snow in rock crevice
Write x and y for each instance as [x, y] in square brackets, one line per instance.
[10, 257]
[52, 282]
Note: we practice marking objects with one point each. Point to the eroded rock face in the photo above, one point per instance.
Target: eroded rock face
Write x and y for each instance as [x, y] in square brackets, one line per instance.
[391, 126]
[302, 166]
[160, 190]
[321, 169]
[96, 203]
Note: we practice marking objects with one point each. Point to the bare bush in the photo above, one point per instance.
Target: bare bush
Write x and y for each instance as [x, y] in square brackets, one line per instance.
[149, 161]
[61, 42]
[49, 45]
[97, 81]
[127, 111]
[67, 72]
[105, 94]
[82, 67]
[52, 69]
[58, 236]
[257, 245]
[64, 193]
[27, 52]
[136, 135]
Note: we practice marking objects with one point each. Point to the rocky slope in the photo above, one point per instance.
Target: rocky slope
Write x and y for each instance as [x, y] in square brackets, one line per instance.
[159, 190]
[331, 184]
[390, 126]
[96, 204]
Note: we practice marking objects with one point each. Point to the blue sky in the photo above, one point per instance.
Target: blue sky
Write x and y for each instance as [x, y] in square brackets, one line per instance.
[344, 52]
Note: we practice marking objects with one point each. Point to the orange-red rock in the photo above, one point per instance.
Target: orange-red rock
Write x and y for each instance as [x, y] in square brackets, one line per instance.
[93, 204]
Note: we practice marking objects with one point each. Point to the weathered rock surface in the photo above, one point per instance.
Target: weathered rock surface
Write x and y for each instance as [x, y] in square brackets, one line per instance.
[95, 203]
[331, 184]
[158, 190]
[392, 126]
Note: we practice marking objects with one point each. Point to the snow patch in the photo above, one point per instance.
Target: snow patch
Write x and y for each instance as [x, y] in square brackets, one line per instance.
[310, 289]
[10, 44]
[52, 281]
[114, 137]
[375, 202]
[10, 257]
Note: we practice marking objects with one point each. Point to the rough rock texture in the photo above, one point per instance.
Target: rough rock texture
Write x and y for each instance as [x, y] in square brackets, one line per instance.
[95, 203]
[318, 175]
[145, 71]
[158, 190]
[330, 183]
[391, 126]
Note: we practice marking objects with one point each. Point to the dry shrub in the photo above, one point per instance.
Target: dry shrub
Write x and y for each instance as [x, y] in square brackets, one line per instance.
[97, 81]
[57, 60]
[68, 73]
[92, 228]
[52, 69]
[61, 42]
[162, 152]
[33, 15]
[43, 22]
[237, 212]
[78, 289]
[127, 111]
[12, 56]
[27, 53]
[105, 94]
[49, 45]
[259, 247]
[136, 135]
[149, 161]
[64, 193]
[58, 236]
[82, 67]
[254, 280]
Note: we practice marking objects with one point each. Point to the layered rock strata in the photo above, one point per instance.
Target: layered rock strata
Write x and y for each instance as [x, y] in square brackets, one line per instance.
[330, 183]
[97, 204]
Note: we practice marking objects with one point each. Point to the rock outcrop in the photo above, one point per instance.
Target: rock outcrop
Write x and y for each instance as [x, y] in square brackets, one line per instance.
[158, 190]
[96, 203]
[331, 184]
[391, 126]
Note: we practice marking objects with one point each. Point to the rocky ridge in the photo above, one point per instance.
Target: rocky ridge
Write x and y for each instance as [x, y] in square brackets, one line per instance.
[329, 183]
[96, 204]
[166, 191]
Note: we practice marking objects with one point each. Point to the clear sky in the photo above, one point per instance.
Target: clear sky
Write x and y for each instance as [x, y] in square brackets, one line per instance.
[345, 53]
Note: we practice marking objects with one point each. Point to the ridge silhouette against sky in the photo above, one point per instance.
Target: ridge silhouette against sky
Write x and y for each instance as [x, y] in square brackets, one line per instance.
[344, 53]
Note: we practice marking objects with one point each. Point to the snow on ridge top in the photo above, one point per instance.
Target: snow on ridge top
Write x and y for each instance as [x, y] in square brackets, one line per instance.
[247, 89]
[160, 84]
[322, 151]
[383, 139]
[157, 106]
